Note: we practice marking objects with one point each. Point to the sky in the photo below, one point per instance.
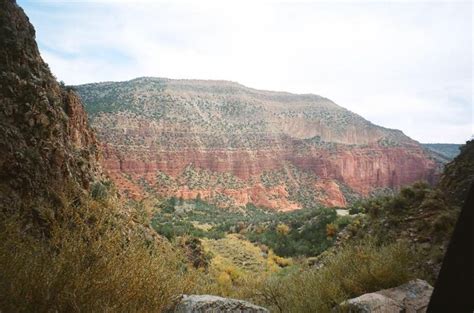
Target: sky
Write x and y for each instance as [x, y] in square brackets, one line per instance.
[400, 64]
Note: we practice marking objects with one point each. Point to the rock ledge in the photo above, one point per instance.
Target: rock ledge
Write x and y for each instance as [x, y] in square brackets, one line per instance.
[412, 297]
[215, 304]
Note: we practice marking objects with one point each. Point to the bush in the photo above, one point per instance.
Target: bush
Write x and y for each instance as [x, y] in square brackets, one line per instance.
[354, 270]
[99, 191]
[444, 223]
[92, 261]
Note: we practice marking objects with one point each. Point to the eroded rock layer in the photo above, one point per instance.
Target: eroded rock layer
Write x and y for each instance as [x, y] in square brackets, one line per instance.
[233, 145]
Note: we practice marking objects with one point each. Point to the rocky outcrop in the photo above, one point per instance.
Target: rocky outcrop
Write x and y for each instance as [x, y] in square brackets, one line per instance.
[412, 297]
[45, 142]
[152, 127]
[211, 304]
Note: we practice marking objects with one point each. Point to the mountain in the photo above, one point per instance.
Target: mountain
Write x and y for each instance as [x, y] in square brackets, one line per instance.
[447, 151]
[46, 143]
[232, 145]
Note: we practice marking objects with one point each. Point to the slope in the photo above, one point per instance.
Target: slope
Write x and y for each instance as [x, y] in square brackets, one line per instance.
[232, 145]
[45, 141]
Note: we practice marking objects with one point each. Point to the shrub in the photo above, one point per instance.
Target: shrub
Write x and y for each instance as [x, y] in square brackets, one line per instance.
[352, 271]
[444, 222]
[331, 230]
[92, 261]
[355, 209]
[99, 191]
[282, 229]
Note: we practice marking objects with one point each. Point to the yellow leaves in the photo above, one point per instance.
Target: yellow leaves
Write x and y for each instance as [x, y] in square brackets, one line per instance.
[283, 229]
[238, 266]
[348, 272]
[331, 230]
[224, 280]
[275, 262]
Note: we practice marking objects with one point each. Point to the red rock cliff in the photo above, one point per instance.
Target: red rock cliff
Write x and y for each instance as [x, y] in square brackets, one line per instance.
[235, 145]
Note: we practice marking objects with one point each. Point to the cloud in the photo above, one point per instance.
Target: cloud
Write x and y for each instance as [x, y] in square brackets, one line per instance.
[400, 64]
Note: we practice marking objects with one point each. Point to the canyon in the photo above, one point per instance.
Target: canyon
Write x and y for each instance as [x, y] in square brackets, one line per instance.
[232, 145]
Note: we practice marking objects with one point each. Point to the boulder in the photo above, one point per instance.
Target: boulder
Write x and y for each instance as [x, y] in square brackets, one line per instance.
[215, 304]
[412, 297]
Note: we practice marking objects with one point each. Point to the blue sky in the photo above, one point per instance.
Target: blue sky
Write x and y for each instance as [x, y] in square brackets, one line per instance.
[400, 64]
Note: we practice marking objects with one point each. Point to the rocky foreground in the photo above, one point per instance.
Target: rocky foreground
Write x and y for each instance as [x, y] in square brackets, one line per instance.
[412, 297]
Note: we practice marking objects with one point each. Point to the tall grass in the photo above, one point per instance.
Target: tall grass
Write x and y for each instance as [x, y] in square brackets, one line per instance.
[89, 260]
[352, 271]
[90, 257]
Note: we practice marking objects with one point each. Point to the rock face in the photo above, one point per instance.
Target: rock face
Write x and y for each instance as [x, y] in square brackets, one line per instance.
[412, 297]
[212, 304]
[45, 142]
[233, 145]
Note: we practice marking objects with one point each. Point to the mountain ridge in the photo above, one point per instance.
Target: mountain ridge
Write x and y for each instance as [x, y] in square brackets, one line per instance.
[219, 82]
[446, 150]
[159, 135]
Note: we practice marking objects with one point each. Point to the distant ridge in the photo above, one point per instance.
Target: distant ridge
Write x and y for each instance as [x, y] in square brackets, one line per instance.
[447, 150]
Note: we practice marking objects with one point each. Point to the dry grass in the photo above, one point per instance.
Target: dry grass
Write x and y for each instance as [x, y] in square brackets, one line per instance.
[91, 258]
[238, 267]
[352, 271]
[92, 261]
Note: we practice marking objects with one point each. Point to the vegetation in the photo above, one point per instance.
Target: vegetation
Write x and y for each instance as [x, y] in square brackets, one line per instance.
[93, 254]
[297, 233]
[235, 262]
[92, 258]
[458, 175]
[419, 214]
[89, 259]
[353, 270]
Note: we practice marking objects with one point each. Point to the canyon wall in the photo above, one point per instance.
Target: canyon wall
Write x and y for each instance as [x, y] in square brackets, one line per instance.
[233, 145]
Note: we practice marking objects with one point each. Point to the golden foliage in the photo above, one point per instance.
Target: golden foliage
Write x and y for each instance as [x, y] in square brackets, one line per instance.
[331, 230]
[352, 271]
[283, 229]
[92, 261]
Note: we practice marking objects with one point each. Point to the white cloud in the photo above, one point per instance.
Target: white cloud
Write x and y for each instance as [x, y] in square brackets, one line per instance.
[399, 64]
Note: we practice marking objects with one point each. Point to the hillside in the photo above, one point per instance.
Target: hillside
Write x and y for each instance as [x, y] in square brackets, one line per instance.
[232, 145]
[447, 151]
[46, 143]
[458, 174]
[423, 216]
